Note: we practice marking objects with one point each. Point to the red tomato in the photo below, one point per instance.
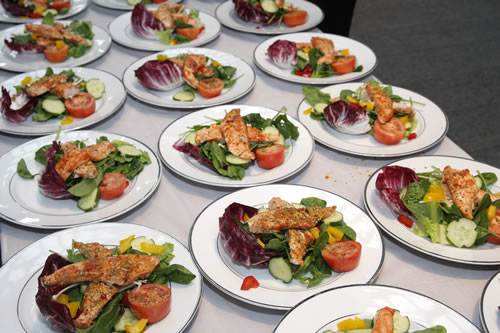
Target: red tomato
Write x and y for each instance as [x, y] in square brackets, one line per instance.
[54, 54]
[405, 220]
[494, 227]
[81, 105]
[295, 18]
[270, 157]
[150, 301]
[191, 33]
[125, 300]
[60, 4]
[342, 256]
[344, 65]
[412, 136]
[35, 15]
[249, 282]
[159, 1]
[210, 88]
[112, 185]
[308, 69]
[389, 133]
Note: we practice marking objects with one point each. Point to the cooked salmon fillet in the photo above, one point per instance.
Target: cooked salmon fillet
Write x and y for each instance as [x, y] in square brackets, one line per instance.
[463, 189]
[45, 84]
[213, 133]
[119, 270]
[299, 241]
[234, 131]
[385, 321]
[96, 296]
[385, 110]
[92, 250]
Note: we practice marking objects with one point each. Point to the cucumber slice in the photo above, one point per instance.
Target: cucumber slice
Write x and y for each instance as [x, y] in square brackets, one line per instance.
[298, 206]
[127, 318]
[462, 233]
[54, 106]
[479, 182]
[137, 241]
[88, 202]
[442, 235]
[95, 87]
[281, 140]
[49, 11]
[269, 6]
[191, 138]
[303, 55]
[271, 130]
[236, 160]
[401, 323]
[280, 269]
[129, 150]
[320, 107]
[334, 218]
[184, 96]
[133, 2]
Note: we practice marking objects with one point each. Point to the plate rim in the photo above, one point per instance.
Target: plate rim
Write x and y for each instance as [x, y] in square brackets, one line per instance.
[481, 300]
[100, 4]
[268, 306]
[368, 210]
[31, 20]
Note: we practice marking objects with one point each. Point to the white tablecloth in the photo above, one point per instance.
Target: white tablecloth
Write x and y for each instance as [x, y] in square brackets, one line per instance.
[177, 201]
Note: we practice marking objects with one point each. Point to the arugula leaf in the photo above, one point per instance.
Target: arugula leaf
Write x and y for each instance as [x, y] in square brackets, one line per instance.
[22, 170]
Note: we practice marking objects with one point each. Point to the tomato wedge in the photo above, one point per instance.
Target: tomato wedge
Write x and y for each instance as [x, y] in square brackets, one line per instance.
[270, 157]
[150, 301]
[191, 33]
[389, 133]
[55, 54]
[112, 186]
[344, 65]
[405, 220]
[342, 256]
[81, 105]
[249, 282]
[210, 88]
[295, 18]
[494, 227]
[60, 4]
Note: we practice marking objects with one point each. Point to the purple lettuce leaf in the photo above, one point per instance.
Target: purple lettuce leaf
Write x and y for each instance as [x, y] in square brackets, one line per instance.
[25, 102]
[51, 183]
[144, 23]
[283, 53]
[160, 75]
[347, 117]
[15, 9]
[24, 47]
[193, 151]
[248, 13]
[56, 313]
[242, 247]
[390, 181]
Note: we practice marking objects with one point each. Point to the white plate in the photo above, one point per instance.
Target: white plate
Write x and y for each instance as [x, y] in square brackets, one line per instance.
[20, 273]
[23, 203]
[227, 16]
[488, 307]
[12, 61]
[244, 72]
[123, 4]
[217, 267]
[113, 98]
[77, 6]
[431, 128]
[297, 156]
[364, 56]
[363, 301]
[487, 254]
[121, 31]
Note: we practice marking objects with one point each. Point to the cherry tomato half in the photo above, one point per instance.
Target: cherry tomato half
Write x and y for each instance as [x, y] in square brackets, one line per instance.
[295, 18]
[112, 186]
[210, 88]
[81, 105]
[60, 4]
[344, 65]
[342, 256]
[249, 282]
[150, 301]
[389, 133]
[405, 220]
[270, 157]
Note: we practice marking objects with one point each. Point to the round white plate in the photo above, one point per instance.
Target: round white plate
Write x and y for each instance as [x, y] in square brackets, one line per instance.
[363, 301]
[218, 268]
[488, 307]
[364, 56]
[227, 16]
[20, 273]
[123, 4]
[12, 61]
[23, 203]
[113, 98]
[121, 31]
[487, 254]
[244, 72]
[297, 156]
[77, 6]
[431, 128]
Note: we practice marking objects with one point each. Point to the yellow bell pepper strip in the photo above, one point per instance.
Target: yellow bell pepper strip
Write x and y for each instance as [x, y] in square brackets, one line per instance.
[351, 99]
[152, 248]
[63, 299]
[345, 52]
[161, 57]
[67, 120]
[138, 327]
[60, 44]
[27, 80]
[404, 120]
[261, 243]
[306, 112]
[315, 232]
[38, 10]
[73, 308]
[351, 324]
[369, 105]
[306, 49]
[331, 239]
[216, 63]
[492, 210]
[173, 41]
[125, 244]
[336, 233]
[434, 194]
[246, 217]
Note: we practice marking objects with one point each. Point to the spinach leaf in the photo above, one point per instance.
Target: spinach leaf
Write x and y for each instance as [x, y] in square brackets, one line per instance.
[313, 202]
[301, 64]
[24, 39]
[180, 39]
[317, 115]
[108, 317]
[49, 18]
[87, 185]
[314, 54]
[256, 120]
[181, 24]
[279, 244]
[22, 170]
[484, 204]
[74, 294]
[285, 126]
[345, 93]
[83, 29]
[433, 329]
[323, 70]
[314, 95]
[63, 11]
[349, 233]
[358, 69]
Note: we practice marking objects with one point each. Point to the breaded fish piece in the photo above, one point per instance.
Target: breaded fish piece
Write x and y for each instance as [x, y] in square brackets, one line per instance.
[463, 189]
[299, 241]
[385, 110]
[119, 270]
[97, 295]
[385, 321]
[234, 131]
[92, 250]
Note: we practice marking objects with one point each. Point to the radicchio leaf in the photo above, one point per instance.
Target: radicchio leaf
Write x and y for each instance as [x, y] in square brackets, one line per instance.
[347, 117]
[56, 313]
[390, 181]
[242, 247]
[25, 104]
[160, 75]
[248, 13]
[283, 53]
[16, 10]
[51, 183]
[144, 23]
[24, 47]
[193, 151]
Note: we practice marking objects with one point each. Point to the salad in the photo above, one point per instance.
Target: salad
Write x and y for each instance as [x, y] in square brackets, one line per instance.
[303, 241]
[74, 170]
[197, 74]
[449, 206]
[55, 40]
[171, 24]
[36, 8]
[95, 288]
[52, 96]
[372, 109]
[385, 320]
[269, 12]
[316, 59]
[230, 145]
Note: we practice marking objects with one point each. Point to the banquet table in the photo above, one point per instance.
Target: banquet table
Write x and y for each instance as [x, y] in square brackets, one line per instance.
[177, 202]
